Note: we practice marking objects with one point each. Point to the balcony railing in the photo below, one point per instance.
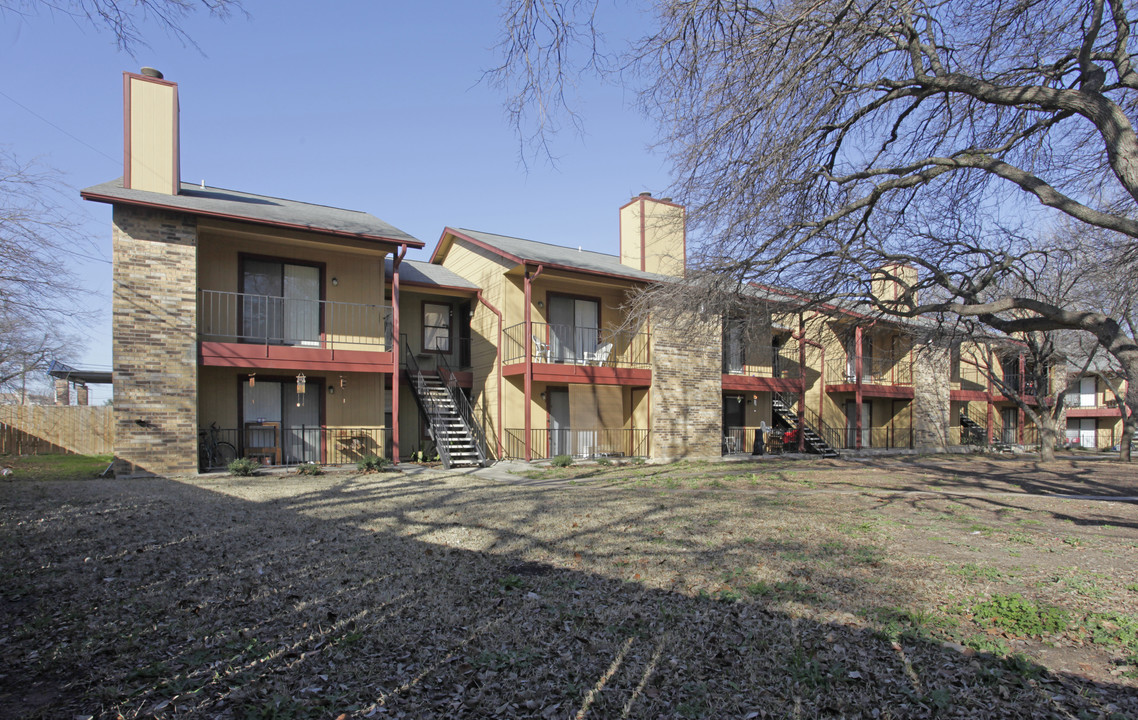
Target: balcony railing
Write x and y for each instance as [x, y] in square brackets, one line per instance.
[971, 378]
[308, 443]
[244, 317]
[766, 361]
[591, 443]
[879, 437]
[1097, 439]
[552, 343]
[874, 371]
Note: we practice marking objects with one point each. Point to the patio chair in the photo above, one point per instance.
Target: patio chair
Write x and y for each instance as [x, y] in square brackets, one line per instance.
[540, 350]
[600, 356]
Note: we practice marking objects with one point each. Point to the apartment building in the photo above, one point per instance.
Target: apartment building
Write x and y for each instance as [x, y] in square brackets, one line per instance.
[293, 333]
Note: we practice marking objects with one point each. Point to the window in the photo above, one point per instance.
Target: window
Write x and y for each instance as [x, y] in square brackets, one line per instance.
[281, 302]
[436, 327]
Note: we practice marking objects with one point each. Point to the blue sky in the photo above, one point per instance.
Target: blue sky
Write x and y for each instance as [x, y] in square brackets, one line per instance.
[374, 106]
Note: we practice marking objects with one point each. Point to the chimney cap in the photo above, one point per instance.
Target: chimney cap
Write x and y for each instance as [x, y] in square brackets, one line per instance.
[151, 72]
[645, 194]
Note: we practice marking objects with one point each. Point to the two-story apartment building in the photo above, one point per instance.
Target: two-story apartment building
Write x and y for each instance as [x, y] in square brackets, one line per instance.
[241, 311]
[291, 333]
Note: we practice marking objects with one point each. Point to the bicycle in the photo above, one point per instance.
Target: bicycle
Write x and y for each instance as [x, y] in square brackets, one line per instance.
[213, 453]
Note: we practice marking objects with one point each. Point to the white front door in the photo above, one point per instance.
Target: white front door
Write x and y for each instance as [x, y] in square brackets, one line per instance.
[1087, 433]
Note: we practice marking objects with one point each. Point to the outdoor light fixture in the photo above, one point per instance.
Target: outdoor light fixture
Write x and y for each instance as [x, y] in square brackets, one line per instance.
[540, 304]
[755, 400]
[331, 390]
[335, 281]
[300, 380]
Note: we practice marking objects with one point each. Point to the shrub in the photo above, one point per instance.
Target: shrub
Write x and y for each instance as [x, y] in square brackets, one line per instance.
[309, 469]
[372, 463]
[562, 461]
[244, 467]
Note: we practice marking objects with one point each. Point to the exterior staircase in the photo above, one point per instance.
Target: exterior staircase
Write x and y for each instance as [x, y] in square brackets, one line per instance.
[972, 432]
[458, 438]
[811, 431]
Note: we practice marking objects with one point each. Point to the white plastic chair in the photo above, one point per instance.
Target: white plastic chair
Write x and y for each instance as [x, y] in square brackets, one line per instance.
[601, 356]
[541, 349]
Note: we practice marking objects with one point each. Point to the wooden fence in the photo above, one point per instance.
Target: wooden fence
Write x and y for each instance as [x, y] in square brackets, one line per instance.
[56, 429]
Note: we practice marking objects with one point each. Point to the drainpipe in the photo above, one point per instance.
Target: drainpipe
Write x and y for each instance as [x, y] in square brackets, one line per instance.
[498, 353]
[528, 342]
[396, 261]
[858, 366]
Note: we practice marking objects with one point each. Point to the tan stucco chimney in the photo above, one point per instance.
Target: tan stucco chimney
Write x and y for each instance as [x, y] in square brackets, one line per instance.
[888, 283]
[151, 154]
[653, 236]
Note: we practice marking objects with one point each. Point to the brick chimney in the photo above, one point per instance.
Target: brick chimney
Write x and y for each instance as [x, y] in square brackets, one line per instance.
[653, 236]
[151, 152]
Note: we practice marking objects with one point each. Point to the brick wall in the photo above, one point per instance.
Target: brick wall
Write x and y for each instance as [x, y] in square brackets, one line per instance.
[686, 397]
[931, 396]
[155, 342]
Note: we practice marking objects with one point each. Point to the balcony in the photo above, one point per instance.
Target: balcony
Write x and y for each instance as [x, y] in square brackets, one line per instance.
[246, 330]
[765, 361]
[563, 353]
[583, 444]
[884, 377]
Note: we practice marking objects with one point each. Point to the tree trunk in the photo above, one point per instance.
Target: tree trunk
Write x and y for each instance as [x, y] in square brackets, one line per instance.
[1047, 437]
[1129, 418]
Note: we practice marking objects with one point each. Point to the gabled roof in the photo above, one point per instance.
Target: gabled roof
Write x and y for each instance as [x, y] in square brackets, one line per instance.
[523, 251]
[416, 272]
[259, 209]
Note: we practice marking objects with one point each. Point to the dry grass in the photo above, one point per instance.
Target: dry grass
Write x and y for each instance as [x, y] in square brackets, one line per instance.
[811, 589]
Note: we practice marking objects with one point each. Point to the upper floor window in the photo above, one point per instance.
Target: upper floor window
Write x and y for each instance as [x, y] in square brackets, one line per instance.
[437, 323]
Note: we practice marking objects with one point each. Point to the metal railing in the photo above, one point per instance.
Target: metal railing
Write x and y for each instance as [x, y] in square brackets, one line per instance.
[308, 443]
[765, 361]
[590, 443]
[465, 411]
[972, 378]
[874, 371]
[427, 402]
[244, 317]
[1097, 439]
[566, 344]
[830, 434]
[890, 437]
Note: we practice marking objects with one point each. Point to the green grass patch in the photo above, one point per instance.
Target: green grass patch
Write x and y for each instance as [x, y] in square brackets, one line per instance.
[1017, 615]
[973, 571]
[55, 467]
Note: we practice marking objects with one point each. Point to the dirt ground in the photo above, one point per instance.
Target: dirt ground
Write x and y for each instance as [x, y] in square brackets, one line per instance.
[962, 586]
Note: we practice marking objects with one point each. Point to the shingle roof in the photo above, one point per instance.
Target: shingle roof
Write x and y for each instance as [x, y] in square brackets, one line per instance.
[539, 252]
[425, 273]
[260, 209]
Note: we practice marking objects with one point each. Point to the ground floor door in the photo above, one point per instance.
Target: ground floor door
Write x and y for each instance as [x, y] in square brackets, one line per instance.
[297, 416]
[734, 419]
[1081, 432]
[851, 424]
[559, 422]
[1010, 416]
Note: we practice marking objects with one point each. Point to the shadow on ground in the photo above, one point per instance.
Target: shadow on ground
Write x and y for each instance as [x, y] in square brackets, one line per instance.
[162, 599]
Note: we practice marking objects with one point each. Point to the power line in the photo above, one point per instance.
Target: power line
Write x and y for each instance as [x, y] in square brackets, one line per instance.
[84, 143]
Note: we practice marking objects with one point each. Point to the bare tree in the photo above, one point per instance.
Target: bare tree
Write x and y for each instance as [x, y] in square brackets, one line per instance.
[40, 297]
[816, 142]
[124, 18]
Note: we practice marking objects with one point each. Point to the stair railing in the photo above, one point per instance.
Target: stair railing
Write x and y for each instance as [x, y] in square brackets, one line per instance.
[427, 403]
[811, 421]
[465, 412]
